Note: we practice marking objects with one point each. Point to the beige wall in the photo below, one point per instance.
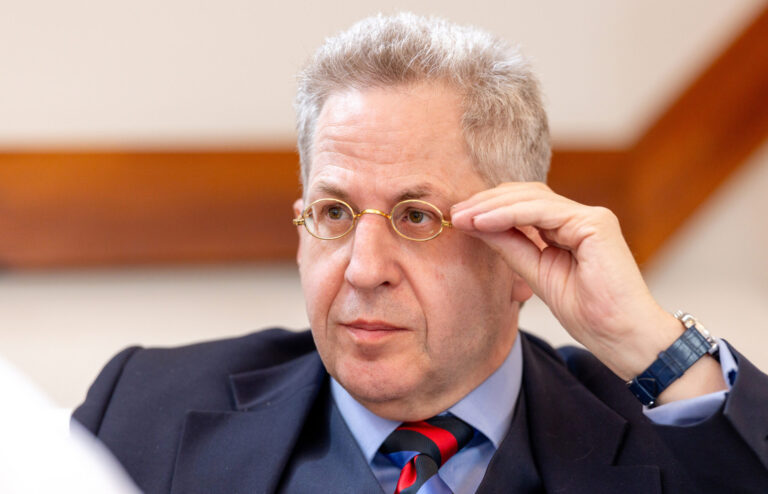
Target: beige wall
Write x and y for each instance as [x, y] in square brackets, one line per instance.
[193, 73]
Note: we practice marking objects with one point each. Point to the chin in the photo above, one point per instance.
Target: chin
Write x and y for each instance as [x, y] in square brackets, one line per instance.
[374, 383]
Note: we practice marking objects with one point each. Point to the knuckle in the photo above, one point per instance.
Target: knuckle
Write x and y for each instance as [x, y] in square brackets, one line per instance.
[604, 214]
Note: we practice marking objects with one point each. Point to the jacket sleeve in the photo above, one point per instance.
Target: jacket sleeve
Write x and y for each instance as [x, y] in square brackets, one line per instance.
[747, 410]
[733, 444]
[727, 452]
[91, 412]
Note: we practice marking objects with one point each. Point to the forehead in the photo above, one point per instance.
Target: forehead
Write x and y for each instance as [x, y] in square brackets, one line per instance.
[388, 141]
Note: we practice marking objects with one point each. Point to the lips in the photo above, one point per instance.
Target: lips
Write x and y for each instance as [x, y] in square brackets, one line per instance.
[371, 331]
[367, 325]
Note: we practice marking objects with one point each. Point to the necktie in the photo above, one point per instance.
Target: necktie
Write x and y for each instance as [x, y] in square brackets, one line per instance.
[420, 448]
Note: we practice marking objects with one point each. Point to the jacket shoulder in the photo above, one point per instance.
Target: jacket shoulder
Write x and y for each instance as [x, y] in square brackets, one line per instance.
[190, 375]
[260, 349]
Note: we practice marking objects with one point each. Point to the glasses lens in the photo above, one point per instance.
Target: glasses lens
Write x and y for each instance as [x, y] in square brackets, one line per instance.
[329, 218]
[417, 220]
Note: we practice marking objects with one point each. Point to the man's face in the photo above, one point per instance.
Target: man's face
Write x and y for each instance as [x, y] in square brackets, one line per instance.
[408, 328]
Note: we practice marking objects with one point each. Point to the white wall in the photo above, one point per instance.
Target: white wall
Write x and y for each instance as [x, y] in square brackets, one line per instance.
[188, 73]
[181, 72]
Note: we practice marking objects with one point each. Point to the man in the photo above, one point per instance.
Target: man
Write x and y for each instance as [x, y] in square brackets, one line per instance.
[424, 226]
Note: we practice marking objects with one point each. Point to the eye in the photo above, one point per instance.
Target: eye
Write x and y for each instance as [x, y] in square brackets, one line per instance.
[331, 210]
[335, 212]
[416, 216]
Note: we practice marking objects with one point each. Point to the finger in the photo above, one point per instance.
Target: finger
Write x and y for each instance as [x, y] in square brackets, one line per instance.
[541, 212]
[462, 217]
[535, 236]
[548, 237]
[517, 190]
[505, 198]
[561, 224]
[545, 214]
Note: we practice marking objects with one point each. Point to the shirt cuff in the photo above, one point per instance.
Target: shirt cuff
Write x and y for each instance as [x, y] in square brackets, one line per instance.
[696, 410]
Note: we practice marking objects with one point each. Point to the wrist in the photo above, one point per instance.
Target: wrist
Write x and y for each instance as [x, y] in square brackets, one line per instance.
[703, 377]
[653, 335]
[685, 369]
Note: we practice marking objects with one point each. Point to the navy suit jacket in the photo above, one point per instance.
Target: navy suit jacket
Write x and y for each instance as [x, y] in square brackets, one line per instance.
[231, 416]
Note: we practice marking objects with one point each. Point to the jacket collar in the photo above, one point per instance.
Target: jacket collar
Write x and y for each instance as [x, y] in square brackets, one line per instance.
[232, 451]
[264, 388]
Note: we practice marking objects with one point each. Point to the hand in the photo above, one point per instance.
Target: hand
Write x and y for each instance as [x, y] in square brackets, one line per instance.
[576, 260]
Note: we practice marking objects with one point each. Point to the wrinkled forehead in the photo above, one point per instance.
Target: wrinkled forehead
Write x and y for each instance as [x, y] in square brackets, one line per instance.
[407, 140]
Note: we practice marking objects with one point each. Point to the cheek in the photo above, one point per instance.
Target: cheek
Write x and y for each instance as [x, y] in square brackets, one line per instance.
[322, 274]
[470, 300]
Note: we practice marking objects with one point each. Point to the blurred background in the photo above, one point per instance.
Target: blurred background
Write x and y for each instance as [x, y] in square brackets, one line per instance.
[147, 161]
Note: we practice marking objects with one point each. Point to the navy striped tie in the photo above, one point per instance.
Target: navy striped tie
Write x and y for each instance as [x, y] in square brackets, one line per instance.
[421, 448]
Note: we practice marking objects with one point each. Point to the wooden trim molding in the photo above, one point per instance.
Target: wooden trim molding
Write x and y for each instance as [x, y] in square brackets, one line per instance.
[60, 209]
[111, 208]
[699, 141]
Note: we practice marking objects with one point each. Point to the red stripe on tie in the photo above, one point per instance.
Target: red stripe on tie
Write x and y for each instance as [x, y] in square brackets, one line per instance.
[444, 440]
[407, 477]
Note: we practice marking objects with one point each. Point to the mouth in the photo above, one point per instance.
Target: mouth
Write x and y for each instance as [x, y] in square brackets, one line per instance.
[371, 331]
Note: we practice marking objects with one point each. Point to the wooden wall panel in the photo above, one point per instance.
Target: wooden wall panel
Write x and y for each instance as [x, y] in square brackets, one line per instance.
[65, 209]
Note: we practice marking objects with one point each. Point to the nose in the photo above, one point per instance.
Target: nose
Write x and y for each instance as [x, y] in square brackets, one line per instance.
[373, 256]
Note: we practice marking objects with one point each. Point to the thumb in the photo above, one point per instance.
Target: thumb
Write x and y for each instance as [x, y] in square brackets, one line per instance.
[519, 251]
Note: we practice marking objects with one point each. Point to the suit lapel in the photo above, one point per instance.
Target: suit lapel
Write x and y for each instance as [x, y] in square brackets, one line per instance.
[575, 437]
[327, 457]
[246, 450]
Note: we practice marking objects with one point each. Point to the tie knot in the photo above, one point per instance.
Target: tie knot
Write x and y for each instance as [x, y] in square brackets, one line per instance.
[439, 438]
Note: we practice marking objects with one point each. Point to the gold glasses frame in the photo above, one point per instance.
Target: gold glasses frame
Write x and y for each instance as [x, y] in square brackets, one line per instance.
[301, 220]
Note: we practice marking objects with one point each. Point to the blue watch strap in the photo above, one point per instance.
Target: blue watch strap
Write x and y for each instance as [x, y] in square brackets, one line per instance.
[670, 365]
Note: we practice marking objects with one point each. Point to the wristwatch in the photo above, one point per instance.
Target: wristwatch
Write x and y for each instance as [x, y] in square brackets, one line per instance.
[694, 343]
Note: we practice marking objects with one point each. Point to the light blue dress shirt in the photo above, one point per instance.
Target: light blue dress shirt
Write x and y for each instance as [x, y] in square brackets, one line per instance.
[489, 409]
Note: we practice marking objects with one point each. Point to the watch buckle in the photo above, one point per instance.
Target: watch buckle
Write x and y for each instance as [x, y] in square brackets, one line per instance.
[689, 321]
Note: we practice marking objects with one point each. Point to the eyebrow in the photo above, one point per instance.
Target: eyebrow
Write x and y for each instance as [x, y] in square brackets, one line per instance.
[415, 192]
[330, 190]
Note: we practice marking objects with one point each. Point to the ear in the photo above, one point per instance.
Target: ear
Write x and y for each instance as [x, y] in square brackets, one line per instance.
[298, 208]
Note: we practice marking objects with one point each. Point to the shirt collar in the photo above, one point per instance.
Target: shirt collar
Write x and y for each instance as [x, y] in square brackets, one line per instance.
[488, 408]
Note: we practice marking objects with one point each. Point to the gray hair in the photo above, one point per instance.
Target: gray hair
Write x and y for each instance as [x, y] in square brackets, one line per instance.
[503, 121]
